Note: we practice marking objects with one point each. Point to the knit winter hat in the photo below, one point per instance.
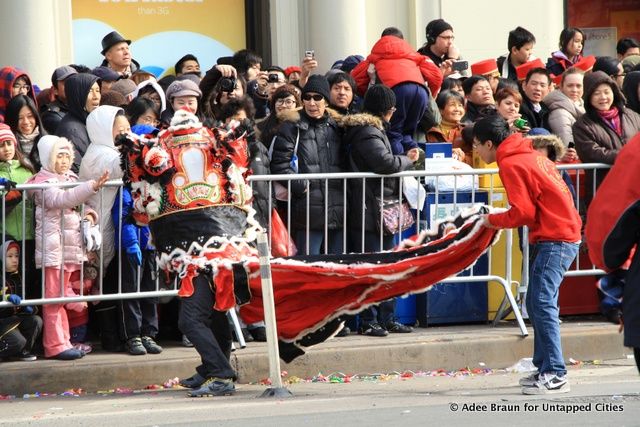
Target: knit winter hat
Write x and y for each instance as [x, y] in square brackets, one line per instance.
[437, 27]
[7, 134]
[378, 100]
[183, 88]
[350, 62]
[318, 84]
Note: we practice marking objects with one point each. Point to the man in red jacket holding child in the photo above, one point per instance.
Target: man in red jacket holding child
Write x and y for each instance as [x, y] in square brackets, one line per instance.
[539, 199]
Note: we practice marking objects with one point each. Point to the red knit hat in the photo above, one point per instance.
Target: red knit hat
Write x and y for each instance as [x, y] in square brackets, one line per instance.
[292, 69]
[586, 63]
[488, 66]
[7, 134]
[524, 69]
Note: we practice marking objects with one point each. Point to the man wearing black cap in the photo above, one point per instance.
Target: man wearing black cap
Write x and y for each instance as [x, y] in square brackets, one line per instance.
[53, 112]
[107, 77]
[117, 56]
[439, 46]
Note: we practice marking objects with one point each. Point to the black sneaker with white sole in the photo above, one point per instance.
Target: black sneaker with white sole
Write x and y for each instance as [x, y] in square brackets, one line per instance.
[373, 330]
[548, 384]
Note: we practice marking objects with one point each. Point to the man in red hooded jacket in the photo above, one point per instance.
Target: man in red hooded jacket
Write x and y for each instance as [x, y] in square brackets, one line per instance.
[539, 199]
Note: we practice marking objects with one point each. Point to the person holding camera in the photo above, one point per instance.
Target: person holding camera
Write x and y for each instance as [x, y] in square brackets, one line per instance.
[439, 46]
[266, 84]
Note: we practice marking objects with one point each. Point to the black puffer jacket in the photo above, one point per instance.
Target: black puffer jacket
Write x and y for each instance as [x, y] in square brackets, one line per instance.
[370, 151]
[260, 166]
[320, 150]
[73, 125]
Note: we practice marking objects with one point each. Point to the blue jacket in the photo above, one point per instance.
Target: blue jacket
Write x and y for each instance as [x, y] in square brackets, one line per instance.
[132, 234]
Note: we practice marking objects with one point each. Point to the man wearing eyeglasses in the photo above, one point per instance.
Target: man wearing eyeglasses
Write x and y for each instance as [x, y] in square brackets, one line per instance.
[439, 46]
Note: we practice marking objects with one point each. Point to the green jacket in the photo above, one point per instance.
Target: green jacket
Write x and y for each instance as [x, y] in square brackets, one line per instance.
[12, 225]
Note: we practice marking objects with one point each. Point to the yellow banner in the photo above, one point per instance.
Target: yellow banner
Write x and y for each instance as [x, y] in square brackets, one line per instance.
[162, 31]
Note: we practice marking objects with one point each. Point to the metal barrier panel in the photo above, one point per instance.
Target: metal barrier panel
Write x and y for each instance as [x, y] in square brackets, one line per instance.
[441, 182]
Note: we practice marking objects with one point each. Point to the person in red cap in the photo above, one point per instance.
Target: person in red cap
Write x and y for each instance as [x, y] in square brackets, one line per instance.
[571, 45]
[292, 73]
[523, 70]
[586, 63]
[520, 44]
[534, 89]
[489, 69]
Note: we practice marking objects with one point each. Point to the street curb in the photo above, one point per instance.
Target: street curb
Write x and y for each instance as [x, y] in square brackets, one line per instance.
[449, 348]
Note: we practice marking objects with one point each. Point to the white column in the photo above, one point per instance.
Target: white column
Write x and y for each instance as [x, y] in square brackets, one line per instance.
[37, 37]
[286, 47]
[336, 29]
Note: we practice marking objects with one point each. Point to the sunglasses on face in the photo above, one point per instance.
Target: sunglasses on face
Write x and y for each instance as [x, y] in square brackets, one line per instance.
[309, 97]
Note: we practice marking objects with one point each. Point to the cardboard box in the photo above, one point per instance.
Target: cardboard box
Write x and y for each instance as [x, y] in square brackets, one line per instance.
[486, 180]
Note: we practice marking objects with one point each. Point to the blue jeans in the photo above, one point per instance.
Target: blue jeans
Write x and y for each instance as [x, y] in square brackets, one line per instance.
[548, 263]
[316, 242]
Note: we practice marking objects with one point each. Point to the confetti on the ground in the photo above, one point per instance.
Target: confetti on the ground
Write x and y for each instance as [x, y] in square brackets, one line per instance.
[341, 378]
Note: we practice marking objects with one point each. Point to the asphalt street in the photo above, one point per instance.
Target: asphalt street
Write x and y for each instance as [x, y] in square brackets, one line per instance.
[605, 394]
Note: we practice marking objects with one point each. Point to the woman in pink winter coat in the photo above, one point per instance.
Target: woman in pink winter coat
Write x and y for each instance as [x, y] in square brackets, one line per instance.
[58, 240]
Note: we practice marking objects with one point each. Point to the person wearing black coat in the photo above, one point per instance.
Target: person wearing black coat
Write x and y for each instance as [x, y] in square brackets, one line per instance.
[370, 151]
[83, 96]
[312, 135]
[534, 89]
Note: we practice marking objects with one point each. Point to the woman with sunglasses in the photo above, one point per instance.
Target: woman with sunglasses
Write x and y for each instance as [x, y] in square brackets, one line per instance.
[312, 136]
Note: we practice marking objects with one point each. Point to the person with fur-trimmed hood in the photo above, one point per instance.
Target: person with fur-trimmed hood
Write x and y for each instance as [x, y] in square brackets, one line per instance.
[552, 147]
[370, 151]
[309, 141]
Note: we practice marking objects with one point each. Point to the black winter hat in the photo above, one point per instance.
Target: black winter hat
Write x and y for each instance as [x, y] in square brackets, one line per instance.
[378, 100]
[319, 84]
[437, 27]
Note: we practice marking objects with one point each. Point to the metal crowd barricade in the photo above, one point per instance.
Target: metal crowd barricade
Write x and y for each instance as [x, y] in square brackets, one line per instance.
[286, 181]
[169, 290]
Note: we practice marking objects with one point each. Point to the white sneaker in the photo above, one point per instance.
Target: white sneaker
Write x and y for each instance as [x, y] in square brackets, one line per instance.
[548, 384]
[530, 380]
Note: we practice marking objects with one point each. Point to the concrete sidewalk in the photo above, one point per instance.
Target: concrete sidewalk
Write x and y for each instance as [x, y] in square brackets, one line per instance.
[445, 347]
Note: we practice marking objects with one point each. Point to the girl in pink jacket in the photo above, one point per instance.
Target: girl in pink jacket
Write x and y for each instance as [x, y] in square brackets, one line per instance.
[58, 239]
